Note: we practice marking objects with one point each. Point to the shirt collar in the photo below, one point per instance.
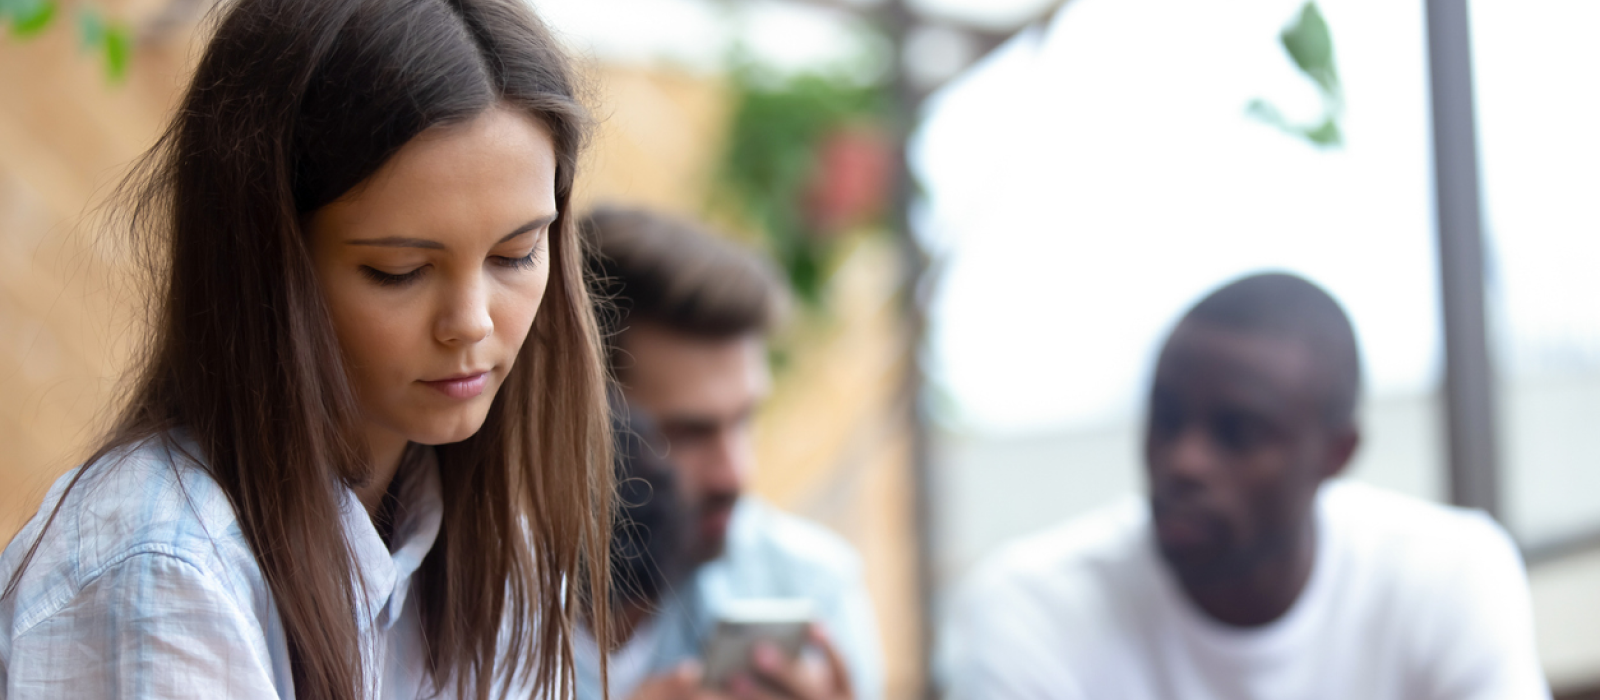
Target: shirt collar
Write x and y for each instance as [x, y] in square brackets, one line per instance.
[386, 574]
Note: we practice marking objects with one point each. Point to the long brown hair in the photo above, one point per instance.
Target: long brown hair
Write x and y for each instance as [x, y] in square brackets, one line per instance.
[294, 103]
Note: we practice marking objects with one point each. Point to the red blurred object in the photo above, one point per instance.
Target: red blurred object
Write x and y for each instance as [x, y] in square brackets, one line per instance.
[850, 186]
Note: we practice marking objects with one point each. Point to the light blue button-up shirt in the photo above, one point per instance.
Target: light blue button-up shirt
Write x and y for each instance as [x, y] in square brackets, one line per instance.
[144, 587]
[769, 554]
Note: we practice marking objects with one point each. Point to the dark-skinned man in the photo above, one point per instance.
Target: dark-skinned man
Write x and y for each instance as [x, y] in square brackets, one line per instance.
[1250, 572]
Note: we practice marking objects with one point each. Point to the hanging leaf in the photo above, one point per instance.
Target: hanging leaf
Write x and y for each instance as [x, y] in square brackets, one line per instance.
[29, 17]
[112, 41]
[91, 29]
[1311, 46]
[118, 47]
[1326, 135]
[1263, 110]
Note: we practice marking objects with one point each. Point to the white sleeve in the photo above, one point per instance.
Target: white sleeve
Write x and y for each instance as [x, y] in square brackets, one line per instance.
[1480, 639]
[150, 626]
[997, 645]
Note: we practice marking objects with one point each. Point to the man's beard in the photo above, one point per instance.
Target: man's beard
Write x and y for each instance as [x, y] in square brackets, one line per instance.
[708, 546]
[1228, 565]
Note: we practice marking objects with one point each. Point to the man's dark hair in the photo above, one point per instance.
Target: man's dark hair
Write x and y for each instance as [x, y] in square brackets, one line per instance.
[674, 273]
[1290, 306]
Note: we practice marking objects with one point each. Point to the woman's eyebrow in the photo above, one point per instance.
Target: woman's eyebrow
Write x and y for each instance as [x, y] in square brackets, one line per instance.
[403, 242]
[536, 224]
[398, 242]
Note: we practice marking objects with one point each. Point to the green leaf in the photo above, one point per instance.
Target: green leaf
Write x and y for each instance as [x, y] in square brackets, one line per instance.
[118, 48]
[771, 154]
[1327, 135]
[1324, 135]
[91, 29]
[804, 267]
[1311, 46]
[1267, 112]
[29, 17]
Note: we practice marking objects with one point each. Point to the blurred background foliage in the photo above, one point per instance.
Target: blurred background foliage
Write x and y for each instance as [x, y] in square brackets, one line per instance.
[110, 39]
[807, 160]
[1310, 45]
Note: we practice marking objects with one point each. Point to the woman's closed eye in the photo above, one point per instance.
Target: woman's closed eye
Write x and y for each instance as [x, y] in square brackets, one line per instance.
[534, 256]
[392, 279]
[525, 262]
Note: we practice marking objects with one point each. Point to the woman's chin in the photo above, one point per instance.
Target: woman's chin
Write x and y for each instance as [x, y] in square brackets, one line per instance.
[447, 431]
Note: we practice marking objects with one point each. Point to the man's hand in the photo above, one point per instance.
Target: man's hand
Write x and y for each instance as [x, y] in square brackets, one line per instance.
[778, 678]
[681, 683]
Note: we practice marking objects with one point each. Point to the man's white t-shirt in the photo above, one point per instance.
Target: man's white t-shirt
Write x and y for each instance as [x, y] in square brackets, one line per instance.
[1407, 600]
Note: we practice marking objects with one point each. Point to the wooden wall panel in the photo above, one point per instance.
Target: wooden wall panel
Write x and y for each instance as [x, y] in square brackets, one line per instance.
[66, 136]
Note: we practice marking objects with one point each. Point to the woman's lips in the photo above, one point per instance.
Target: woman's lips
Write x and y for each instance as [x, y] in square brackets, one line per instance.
[463, 387]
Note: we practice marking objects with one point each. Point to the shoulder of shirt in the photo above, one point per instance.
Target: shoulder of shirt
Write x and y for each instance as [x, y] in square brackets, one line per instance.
[1411, 534]
[150, 498]
[1096, 547]
[1095, 544]
[765, 535]
[1063, 592]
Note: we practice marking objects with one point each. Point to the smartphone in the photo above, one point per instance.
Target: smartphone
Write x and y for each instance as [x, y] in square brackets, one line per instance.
[741, 624]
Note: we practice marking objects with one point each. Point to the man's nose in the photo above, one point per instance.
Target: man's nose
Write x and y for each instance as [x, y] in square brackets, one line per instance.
[729, 465]
[1190, 457]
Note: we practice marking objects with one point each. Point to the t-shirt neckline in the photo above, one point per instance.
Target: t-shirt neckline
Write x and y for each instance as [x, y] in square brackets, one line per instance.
[1280, 634]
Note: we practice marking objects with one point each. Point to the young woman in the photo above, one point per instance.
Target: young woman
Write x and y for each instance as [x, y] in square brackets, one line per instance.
[367, 453]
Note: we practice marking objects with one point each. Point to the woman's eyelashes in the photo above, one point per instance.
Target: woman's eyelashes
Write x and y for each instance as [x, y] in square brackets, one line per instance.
[390, 279]
[395, 279]
[525, 262]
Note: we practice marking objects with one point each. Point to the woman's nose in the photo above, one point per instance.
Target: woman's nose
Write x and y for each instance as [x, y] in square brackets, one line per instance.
[465, 318]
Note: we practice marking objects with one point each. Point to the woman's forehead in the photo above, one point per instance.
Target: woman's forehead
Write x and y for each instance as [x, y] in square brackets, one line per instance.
[481, 179]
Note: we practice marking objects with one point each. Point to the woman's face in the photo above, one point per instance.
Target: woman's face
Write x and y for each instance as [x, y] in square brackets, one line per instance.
[433, 269]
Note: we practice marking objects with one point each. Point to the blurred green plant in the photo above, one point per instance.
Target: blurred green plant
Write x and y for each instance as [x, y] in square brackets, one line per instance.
[111, 39]
[1310, 45]
[27, 17]
[781, 140]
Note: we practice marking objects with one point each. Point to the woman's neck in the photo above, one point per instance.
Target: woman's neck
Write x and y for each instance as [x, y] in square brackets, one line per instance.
[387, 450]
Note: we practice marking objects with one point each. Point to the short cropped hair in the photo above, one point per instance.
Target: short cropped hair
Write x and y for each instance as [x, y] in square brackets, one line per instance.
[1290, 306]
[674, 273]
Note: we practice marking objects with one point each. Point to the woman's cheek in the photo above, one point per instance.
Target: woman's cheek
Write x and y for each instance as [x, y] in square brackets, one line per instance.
[522, 304]
[375, 330]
